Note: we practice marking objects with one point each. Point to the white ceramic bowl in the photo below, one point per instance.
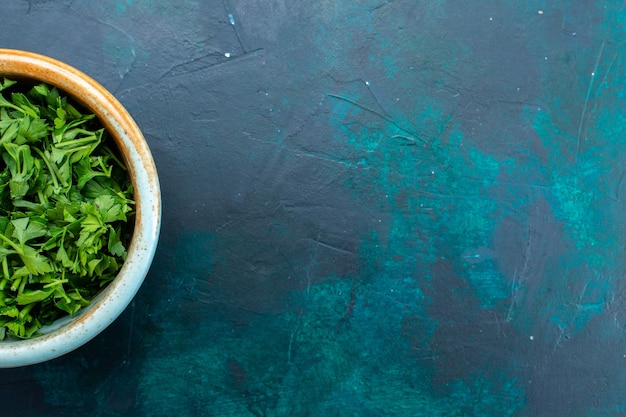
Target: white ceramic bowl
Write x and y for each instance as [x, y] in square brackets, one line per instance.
[67, 334]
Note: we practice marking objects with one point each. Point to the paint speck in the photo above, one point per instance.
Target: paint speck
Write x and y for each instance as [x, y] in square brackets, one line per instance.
[227, 54]
[539, 11]
[593, 74]
[367, 83]
[545, 57]
[491, 18]
[532, 337]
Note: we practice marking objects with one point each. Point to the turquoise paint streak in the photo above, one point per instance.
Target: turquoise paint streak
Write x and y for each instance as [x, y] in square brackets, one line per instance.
[434, 196]
[435, 201]
[439, 193]
[582, 126]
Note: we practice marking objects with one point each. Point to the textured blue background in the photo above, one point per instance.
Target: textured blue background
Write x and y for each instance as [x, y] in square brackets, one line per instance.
[371, 208]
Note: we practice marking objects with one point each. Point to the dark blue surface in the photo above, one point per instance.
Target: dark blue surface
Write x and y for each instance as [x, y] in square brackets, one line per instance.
[371, 208]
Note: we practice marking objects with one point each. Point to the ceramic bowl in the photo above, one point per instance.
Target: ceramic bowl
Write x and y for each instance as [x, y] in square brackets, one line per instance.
[69, 333]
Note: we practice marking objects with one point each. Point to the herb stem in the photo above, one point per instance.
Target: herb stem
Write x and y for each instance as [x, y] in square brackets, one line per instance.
[56, 283]
[5, 103]
[26, 309]
[16, 284]
[15, 246]
[54, 173]
[76, 142]
[5, 272]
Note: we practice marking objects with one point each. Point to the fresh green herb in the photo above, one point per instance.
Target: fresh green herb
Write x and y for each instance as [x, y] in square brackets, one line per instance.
[65, 208]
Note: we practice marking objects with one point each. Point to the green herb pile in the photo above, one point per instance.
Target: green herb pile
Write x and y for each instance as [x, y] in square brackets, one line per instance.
[65, 208]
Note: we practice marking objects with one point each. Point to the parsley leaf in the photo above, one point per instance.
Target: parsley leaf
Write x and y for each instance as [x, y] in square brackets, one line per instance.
[66, 206]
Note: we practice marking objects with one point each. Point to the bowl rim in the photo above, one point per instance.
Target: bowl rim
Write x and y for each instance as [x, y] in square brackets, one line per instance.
[67, 334]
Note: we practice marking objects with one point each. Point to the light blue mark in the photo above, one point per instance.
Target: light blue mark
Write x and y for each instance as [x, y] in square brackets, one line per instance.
[477, 255]
[121, 6]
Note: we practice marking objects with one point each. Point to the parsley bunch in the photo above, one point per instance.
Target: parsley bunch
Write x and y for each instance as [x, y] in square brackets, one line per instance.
[65, 208]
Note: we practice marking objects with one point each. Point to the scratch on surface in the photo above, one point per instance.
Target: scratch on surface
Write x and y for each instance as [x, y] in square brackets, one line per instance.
[412, 138]
[380, 6]
[409, 136]
[318, 242]
[225, 225]
[361, 106]
[520, 278]
[562, 336]
[128, 68]
[620, 181]
[367, 84]
[292, 338]
[199, 64]
[608, 71]
[500, 331]
[613, 304]
[581, 307]
[587, 96]
[233, 23]
[322, 157]
[582, 293]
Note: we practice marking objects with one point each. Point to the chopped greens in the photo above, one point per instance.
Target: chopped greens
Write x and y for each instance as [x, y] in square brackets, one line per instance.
[66, 206]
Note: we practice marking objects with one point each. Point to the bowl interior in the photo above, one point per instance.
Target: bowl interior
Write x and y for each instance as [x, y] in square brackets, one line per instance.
[67, 334]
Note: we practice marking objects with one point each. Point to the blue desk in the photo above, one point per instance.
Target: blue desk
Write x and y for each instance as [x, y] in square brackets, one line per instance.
[371, 208]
